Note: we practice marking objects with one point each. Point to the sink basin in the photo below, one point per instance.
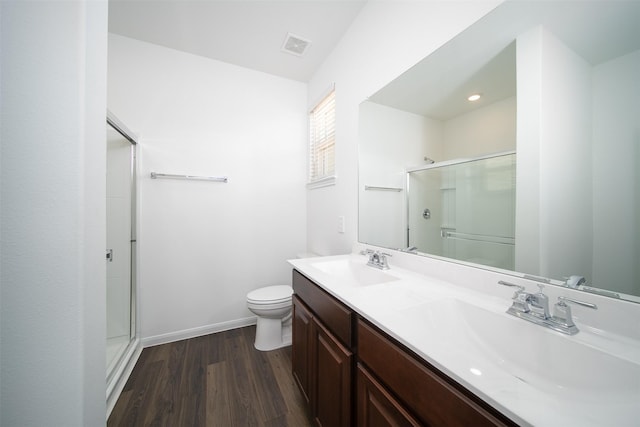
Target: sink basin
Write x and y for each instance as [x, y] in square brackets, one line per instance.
[353, 273]
[484, 340]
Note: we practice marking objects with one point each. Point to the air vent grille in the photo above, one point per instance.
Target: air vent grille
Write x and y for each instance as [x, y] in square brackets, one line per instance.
[295, 45]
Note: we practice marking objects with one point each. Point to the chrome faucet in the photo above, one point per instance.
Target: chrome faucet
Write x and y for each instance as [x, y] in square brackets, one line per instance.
[535, 308]
[377, 259]
[574, 282]
[410, 249]
[539, 303]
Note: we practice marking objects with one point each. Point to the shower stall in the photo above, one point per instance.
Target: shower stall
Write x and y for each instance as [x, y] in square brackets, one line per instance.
[123, 346]
[464, 209]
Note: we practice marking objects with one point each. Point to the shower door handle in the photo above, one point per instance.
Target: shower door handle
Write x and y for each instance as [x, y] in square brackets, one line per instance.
[110, 255]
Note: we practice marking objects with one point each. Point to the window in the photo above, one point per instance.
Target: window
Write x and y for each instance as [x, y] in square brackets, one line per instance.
[322, 126]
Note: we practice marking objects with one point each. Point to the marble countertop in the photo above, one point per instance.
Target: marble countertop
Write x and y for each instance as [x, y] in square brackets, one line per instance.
[533, 375]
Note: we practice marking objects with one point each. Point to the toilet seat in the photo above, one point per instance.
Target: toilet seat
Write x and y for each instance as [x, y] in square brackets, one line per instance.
[270, 295]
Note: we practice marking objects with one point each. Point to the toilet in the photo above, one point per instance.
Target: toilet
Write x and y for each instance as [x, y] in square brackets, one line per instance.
[272, 305]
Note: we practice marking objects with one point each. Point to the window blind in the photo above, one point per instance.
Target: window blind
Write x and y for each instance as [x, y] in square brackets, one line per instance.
[322, 121]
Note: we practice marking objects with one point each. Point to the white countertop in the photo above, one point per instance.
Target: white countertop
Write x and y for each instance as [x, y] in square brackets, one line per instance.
[424, 313]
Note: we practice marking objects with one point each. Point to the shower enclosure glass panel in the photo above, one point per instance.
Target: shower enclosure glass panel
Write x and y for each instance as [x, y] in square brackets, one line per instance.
[465, 210]
[120, 155]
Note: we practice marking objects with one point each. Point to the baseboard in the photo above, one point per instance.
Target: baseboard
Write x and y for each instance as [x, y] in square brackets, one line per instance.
[196, 332]
[115, 386]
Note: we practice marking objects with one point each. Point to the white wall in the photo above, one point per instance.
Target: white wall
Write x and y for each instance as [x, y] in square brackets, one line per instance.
[554, 140]
[528, 58]
[616, 180]
[565, 204]
[204, 245]
[390, 141]
[52, 311]
[487, 130]
[385, 40]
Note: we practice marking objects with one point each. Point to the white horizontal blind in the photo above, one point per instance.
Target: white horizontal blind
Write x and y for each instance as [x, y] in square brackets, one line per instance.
[322, 125]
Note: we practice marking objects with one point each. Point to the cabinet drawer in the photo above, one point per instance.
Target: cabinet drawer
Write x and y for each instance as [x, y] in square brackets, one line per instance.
[337, 317]
[425, 392]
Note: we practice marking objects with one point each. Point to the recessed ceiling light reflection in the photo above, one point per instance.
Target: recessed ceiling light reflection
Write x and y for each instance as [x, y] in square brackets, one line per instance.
[475, 371]
[474, 97]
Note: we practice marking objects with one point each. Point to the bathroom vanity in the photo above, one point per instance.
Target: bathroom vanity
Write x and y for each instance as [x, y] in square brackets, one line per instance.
[400, 347]
[380, 381]
[323, 352]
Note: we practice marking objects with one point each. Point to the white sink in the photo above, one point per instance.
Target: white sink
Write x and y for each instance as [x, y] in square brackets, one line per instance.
[492, 342]
[353, 273]
[535, 376]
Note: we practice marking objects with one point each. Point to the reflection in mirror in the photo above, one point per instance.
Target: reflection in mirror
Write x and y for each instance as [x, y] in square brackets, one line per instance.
[559, 88]
[465, 210]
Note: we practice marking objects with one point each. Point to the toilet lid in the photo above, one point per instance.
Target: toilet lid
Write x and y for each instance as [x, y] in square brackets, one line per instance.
[270, 294]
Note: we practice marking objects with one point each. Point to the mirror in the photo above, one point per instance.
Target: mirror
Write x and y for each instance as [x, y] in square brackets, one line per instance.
[557, 117]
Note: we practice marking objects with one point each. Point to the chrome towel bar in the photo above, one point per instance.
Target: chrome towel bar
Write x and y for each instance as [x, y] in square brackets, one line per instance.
[370, 187]
[447, 233]
[155, 175]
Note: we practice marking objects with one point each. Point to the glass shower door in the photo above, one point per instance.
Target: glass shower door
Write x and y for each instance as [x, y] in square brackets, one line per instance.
[465, 210]
[119, 256]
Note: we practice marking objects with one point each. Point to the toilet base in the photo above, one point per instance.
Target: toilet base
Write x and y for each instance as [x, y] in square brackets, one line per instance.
[272, 334]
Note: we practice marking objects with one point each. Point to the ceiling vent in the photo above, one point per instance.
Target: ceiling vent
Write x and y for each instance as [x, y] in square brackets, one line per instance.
[295, 45]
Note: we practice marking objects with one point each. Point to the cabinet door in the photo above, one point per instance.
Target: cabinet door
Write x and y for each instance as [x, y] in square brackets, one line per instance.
[331, 361]
[301, 347]
[376, 407]
[429, 394]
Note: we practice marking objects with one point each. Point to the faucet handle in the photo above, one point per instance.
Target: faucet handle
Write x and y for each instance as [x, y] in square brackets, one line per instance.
[520, 298]
[561, 301]
[562, 312]
[384, 265]
[512, 285]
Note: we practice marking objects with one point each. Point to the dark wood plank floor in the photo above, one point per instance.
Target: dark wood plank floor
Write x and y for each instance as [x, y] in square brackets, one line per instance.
[214, 380]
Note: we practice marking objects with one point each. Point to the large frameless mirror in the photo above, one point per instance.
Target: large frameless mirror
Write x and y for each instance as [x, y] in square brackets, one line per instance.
[539, 176]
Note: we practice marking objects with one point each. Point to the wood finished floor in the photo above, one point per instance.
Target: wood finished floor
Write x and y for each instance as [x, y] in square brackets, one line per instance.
[214, 380]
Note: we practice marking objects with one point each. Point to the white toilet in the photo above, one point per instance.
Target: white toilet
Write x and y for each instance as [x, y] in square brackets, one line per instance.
[273, 306]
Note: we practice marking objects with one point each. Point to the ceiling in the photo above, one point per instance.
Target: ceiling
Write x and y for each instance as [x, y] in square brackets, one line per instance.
[483, 57]
[248, 33]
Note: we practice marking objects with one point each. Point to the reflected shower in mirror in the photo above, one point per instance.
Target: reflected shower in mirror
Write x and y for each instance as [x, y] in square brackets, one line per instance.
[465, 210]
[558, 87]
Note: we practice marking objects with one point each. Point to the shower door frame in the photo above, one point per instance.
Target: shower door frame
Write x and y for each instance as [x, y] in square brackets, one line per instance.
[116, 378]
[438, 165]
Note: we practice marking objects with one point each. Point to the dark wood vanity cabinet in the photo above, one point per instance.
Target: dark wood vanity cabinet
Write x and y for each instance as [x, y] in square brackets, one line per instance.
[322, 354]
[411, 391]
[389, 386]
